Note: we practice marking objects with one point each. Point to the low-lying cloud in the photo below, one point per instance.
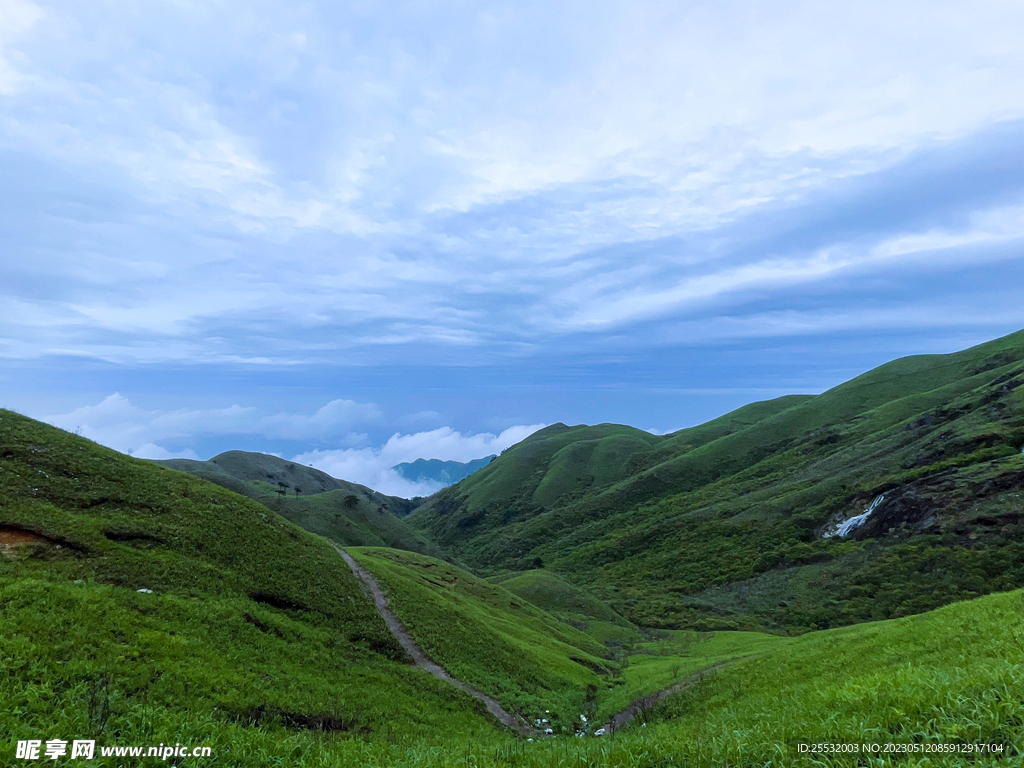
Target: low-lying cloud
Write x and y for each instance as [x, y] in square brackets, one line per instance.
[373, 466]
[154, 434]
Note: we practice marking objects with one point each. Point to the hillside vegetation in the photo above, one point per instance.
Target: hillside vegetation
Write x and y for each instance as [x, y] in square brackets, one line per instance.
[348, 513]
[484, 634]
[732, 524]
[929, 690]
[253, 635]
[571, 604]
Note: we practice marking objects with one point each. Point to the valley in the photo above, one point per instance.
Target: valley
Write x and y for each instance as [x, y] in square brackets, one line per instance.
[845, 567]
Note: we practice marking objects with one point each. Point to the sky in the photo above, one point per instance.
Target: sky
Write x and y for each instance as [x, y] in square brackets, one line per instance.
[364, 233]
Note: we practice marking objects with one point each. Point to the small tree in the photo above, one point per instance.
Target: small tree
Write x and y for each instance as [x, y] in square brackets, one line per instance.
[351, 501]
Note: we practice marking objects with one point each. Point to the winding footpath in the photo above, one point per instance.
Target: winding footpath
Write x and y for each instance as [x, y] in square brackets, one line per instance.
[372, 589]
[642, 704]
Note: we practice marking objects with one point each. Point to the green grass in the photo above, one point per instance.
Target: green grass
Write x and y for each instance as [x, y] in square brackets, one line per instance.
[254, 632]
[351, 521]
[952, 675]
[571, 604]
[97, 661]
[488, 636]
[655, 665]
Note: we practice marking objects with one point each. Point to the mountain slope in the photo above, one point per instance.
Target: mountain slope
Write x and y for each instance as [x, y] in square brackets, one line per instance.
[140, 605]
[256, 642]
[351, 514]
[486, 635]
[573, 605]
[673, 529]
[268, 474]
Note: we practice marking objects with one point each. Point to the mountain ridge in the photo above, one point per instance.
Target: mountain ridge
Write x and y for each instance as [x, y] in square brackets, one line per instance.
[641, 518]
[345, 512]
[440, 471]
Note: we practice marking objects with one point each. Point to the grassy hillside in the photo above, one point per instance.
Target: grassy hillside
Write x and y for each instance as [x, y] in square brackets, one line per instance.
[726, 525]
[256, 641]
[272, 475]
[571, 604]
[253, 636]
[486, 635]
[351, 514]
[921, 687]
[532, 662]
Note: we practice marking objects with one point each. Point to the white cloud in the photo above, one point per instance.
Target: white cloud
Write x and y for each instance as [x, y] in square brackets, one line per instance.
[116, 423]
[17, 18]
[151, 451]
[373, 466]
[284, 185]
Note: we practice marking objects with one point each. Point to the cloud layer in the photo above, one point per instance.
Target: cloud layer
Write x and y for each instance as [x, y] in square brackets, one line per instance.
[314, 185]
[118, 424]
[373, 466]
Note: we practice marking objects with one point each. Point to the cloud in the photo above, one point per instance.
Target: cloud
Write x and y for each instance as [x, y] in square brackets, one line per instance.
[116, 423]
[151, 451]
[319, 184]
[19, 16]
[373, 466]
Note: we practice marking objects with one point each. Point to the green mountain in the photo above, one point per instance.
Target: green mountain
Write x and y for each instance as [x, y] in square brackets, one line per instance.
[247, 472]
[141, 605]
[891, 494]
[345, 512]
[438, 471]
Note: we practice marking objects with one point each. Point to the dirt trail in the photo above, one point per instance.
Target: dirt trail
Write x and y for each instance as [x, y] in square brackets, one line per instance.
[372, 588]
[629, 713]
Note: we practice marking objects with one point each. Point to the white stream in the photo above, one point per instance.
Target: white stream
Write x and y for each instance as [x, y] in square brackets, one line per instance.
[847, 526]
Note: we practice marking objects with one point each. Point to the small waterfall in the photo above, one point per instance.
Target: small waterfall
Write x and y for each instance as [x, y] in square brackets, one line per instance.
[847, 526]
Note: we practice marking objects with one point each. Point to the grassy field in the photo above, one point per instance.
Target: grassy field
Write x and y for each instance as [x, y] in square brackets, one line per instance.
[952, 676]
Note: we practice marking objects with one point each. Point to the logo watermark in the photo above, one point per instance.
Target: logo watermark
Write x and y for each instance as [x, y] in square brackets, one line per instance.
[85, 749]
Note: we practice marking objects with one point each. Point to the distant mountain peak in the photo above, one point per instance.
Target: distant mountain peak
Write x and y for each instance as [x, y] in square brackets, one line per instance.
[439, 471]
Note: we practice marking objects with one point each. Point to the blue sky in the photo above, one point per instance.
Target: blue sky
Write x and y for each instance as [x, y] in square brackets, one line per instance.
[365, 234]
